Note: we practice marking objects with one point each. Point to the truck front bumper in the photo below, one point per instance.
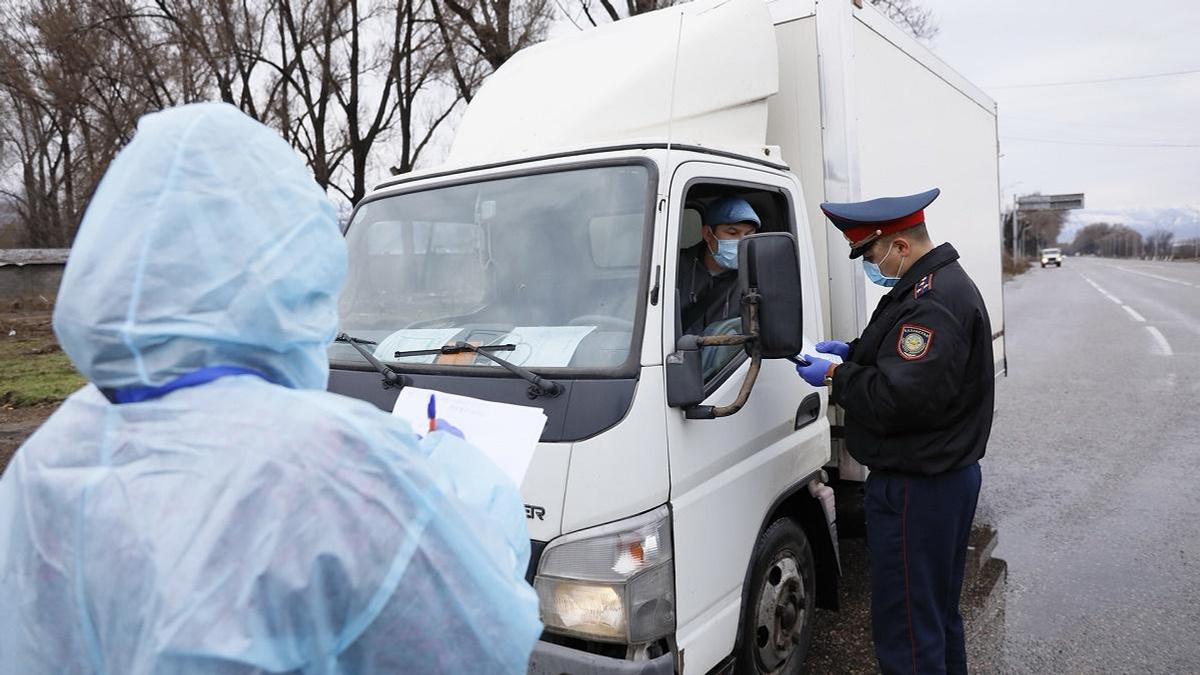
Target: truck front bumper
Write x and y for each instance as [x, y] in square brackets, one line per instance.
[552, 659]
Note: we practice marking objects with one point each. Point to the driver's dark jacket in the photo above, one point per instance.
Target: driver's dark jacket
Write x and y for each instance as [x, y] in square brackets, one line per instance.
[918, 412]
[704, 298]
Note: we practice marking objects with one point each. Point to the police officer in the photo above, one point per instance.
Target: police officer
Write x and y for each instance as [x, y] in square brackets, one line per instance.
[917, 390]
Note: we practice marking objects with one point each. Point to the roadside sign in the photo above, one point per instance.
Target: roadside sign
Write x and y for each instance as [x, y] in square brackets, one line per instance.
[1050, 202]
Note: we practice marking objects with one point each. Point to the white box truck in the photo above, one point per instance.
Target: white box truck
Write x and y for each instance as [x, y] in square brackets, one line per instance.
[677, 502]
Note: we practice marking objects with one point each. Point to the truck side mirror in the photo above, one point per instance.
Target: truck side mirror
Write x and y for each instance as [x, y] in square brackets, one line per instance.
[769, 276]
[685, 376]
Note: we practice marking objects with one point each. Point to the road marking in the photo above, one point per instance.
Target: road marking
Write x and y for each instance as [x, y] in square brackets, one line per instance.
[1103, 292]
[1162, 341]
[1155, 276]
[1136, 317]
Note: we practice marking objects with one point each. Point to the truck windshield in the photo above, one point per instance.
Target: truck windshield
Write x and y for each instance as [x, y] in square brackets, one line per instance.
[550, 263]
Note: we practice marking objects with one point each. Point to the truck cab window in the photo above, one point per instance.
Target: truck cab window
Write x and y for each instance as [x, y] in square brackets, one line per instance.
[549, 262]
[714, 218]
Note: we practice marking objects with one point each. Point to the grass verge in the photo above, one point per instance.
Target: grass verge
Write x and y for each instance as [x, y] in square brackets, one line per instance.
[1014, 266]
[34, 372]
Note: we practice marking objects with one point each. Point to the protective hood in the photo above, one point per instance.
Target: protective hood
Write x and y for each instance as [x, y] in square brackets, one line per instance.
[207, 243]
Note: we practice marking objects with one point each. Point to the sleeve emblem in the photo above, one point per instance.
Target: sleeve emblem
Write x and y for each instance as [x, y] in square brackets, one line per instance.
[914, 341]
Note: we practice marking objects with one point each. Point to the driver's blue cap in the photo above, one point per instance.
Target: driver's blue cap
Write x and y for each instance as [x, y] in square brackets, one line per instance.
[731, 211]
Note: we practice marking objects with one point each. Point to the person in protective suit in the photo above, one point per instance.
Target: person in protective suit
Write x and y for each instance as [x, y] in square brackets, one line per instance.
[203, 506]
[918, 393]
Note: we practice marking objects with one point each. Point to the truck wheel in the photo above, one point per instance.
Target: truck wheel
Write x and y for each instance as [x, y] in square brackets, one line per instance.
[777, 615]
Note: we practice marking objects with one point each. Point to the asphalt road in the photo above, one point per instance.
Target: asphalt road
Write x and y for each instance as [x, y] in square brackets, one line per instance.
[1087, 540]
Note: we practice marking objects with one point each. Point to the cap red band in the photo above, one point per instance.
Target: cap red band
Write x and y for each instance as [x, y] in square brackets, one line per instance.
[860, 232]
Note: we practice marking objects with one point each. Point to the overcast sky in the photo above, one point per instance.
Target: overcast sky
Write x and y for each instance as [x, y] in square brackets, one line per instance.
[1019, 42]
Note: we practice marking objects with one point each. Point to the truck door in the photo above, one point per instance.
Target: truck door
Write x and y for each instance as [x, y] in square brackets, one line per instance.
[726, 473]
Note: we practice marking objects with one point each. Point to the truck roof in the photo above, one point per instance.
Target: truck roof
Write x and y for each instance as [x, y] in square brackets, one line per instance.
[696, 74]
[770, 158]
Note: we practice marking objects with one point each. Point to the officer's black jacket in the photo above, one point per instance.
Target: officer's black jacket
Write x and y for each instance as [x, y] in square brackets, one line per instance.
[918, 387]
[704, 297]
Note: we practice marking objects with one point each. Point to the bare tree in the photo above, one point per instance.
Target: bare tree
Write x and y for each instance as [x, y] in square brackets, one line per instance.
[340, 75]
[609, 11]
[74, 78]
[1088, 239]
[1159, 243]
[480, 35]
[339, 79]
[910, 16]
[1036, 230]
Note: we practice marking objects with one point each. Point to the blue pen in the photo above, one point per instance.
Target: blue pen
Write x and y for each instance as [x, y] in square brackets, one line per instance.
[432, 412]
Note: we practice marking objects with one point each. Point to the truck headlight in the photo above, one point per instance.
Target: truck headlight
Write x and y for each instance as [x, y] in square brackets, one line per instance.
[613, 583]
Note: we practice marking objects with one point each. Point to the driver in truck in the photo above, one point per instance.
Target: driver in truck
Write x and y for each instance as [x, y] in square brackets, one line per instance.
[708, 280]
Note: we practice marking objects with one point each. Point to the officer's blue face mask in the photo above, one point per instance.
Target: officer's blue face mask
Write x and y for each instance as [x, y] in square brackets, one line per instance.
[726, 253]
[877, 276]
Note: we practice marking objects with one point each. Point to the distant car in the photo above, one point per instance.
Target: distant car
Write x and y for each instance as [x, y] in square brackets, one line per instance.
[1052, 256]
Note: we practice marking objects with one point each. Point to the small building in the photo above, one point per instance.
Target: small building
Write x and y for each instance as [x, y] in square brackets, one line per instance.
[31, 276]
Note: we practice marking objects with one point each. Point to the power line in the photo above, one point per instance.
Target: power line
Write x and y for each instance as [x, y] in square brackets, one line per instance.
[1127, 125]
[1101, 143]
[1098, 81]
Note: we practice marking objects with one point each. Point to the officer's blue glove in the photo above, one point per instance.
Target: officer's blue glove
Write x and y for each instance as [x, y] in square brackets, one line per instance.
[814, 372]
[835, 347]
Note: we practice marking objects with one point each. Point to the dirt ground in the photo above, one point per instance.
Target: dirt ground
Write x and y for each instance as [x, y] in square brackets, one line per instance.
[34, 375]
[17, 424]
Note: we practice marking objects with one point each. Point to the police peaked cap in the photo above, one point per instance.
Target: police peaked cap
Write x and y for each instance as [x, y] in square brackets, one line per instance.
[864, 222]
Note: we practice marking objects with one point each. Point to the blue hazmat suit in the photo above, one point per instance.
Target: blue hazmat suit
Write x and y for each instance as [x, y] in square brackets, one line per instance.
[254, 523]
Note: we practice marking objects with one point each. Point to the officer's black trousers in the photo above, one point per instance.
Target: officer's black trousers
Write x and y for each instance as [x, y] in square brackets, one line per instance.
[917, 529]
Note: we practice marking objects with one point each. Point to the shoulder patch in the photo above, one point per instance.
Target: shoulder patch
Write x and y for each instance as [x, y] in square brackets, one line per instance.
[923, 286]
[914, 341]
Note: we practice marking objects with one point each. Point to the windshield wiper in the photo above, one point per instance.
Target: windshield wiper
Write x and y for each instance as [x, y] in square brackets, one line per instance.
[390, 377]
[538, 386]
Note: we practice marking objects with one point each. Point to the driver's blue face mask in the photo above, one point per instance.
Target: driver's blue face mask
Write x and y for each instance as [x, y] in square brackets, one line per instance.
[877, 276]
[726, 254]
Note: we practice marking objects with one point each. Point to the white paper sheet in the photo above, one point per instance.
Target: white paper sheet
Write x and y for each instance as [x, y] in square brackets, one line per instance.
[508, 434]
[413, 339]
[544, 346]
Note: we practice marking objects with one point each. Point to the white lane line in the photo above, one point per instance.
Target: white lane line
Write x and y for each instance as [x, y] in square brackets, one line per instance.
[1103, 292]
[1155, 276]
[1161, 340]
[1131, 311]
[1136, 317]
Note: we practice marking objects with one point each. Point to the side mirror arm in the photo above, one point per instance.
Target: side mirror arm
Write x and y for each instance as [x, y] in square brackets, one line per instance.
[708, 412]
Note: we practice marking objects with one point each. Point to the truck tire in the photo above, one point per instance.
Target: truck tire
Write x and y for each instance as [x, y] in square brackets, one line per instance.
[777, 614]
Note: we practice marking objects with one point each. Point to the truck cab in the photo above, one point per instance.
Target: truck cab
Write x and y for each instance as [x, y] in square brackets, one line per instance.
[646, 517]
[678, 504]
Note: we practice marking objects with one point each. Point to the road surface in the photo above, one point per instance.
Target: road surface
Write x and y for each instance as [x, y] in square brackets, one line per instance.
[1087, 539]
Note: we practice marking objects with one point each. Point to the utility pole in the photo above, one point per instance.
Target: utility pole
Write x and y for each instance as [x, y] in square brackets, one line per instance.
[1015, 210]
